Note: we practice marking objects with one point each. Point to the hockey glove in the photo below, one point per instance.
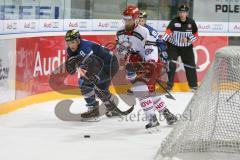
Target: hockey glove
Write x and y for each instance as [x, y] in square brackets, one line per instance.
[72, 63]
[164, 57]
[131, 75]
[161, 45]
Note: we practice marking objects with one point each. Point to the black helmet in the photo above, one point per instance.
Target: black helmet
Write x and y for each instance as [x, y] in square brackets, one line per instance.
[143, 15]
[183, 8]
[72, 35]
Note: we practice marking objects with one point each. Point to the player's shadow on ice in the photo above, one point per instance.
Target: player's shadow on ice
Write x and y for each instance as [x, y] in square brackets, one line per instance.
[119, 134]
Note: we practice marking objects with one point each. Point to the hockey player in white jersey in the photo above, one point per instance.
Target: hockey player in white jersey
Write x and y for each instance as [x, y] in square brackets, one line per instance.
[142, 65]
[162, 45]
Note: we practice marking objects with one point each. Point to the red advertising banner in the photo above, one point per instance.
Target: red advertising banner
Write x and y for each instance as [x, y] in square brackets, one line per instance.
[38, 57]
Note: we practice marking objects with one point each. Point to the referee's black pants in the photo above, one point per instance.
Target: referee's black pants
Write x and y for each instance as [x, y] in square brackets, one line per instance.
[187, 56]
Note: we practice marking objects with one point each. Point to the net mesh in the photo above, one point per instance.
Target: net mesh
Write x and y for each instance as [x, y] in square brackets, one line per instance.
[214, 125]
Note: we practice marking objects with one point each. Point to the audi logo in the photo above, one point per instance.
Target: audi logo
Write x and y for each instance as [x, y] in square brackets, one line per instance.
[114, 24]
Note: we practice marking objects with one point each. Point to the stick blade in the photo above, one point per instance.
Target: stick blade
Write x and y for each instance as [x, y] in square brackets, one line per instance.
[170, 97]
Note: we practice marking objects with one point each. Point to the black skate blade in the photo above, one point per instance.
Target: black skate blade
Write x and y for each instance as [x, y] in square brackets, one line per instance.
[114, 117]
[172, 122]
[102, 111]
[153, 129]
[130, 94]
[95, 119]
[170, 97]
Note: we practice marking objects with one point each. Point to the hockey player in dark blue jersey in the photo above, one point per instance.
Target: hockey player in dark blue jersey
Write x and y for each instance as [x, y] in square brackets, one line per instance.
[95, 66]
[162, 46]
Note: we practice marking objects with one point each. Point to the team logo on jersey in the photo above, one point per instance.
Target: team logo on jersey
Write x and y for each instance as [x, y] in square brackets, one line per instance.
[189, 26]
[148, 51]
[177, 25]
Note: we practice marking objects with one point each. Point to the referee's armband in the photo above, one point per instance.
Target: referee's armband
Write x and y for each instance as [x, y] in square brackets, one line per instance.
[167, 35]
[193, 37]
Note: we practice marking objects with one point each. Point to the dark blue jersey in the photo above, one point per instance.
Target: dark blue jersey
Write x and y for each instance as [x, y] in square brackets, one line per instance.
[95, 57]
[87, 48]
[153, 32]
[160, 43]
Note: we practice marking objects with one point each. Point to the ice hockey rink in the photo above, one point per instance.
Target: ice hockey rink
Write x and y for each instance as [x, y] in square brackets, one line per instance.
[34, 132]
[33, 52]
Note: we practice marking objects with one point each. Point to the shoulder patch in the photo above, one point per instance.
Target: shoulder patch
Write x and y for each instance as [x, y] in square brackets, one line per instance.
[177, 25]
[154, 33]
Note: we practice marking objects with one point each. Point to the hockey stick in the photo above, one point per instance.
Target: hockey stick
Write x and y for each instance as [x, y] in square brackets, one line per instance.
[186, 65]
[232, 95]
[173, 61]
[124, 113]
[105, 97]
[169, 95]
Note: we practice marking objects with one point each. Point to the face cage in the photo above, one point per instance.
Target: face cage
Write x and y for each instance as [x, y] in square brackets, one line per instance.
[126, 18]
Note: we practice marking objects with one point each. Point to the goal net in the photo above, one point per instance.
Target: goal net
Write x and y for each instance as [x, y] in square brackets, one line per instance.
[214, 128]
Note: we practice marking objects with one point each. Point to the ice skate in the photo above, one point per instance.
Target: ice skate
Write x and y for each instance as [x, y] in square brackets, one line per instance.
[170, 118]
[153, 124]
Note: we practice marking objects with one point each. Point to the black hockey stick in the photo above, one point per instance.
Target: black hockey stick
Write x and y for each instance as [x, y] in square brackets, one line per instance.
[173, 61]
[108, 100]
[186, 65]
[169, 95]
[232, 95]
[124, 113]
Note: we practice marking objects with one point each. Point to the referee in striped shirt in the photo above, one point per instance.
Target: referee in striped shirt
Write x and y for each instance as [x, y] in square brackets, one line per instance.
[181, 32]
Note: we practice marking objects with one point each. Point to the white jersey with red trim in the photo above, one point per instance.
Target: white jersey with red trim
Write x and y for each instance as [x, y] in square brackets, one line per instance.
[140, 41]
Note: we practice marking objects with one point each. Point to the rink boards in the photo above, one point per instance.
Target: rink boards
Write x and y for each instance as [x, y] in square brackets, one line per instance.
[32, 60]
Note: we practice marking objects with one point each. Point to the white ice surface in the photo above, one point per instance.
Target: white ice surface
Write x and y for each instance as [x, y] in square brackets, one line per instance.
[35, 133]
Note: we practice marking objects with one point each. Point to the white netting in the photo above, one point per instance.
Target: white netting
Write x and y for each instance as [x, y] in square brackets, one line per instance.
[215, 112]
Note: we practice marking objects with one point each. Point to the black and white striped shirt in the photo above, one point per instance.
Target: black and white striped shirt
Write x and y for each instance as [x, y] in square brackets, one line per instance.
[177, 30]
